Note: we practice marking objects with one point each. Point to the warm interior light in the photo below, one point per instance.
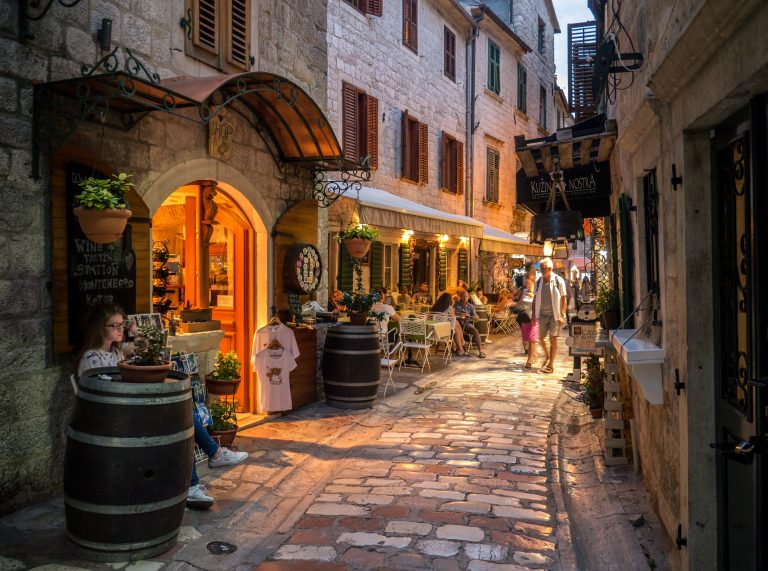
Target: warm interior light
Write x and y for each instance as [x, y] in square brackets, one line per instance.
[406, 235]
[444, 238]
[548, 248]
[463, 241]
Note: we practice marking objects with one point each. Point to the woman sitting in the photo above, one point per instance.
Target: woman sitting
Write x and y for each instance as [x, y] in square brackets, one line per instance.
[337, 304]
[501, 309]
[444, 304]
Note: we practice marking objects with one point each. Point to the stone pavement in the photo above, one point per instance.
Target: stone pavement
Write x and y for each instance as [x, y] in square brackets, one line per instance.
[451, 473]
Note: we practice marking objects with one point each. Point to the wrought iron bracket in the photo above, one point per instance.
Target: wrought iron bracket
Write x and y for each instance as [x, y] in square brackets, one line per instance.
[680, 541]
[678, 385]
[328, 190]
[25, 17]
[675, 180]
[186, 24]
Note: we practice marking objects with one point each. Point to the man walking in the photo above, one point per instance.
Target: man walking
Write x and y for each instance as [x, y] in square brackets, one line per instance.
[550, 304]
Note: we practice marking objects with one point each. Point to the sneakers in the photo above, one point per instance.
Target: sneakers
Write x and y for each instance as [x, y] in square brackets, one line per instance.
[225, 457]
[198, 498]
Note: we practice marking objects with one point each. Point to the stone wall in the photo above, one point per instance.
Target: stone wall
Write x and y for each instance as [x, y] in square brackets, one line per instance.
[35, 394]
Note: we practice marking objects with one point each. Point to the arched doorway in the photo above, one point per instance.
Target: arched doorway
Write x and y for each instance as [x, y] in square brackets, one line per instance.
[211, 242]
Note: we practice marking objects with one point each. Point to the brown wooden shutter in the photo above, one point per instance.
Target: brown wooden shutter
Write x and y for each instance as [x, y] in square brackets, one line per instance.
[459, 168]
[374, 7]
[239, 34]
[349, 122]
[406, 145]
[445, 159]
[423, 153]
[449, 62]
[206, 33]
[373, 131]
[410, 24]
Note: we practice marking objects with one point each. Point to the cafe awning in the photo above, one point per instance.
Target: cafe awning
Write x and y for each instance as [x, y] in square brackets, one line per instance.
[387, 210]
[499, 242]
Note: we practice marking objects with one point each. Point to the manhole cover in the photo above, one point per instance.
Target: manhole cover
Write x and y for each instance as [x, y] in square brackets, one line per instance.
[221, 547]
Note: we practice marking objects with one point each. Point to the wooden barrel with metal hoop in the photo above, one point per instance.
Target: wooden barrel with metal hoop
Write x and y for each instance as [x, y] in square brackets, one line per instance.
[351, 366]
[481, 323]
[127, 465]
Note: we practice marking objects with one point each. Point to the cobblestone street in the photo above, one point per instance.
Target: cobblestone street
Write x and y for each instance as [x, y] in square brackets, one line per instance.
[451, 473]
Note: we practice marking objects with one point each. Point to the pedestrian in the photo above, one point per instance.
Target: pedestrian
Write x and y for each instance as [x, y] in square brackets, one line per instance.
[465, 312]
[444, 304]
[528, 329]
[549, 308]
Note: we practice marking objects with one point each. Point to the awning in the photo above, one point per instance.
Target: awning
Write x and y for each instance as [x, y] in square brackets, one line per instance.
[387, 210]
[500, 242]
[295, 124]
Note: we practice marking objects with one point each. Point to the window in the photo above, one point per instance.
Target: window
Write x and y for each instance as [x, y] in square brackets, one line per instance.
[452, 165]
[410, 25]
[449, 49]
[372, 7]
[522, 88]
[494, 67]
[651, 215]
[543, 107]
[492, 175]
[415, 150]
[220, 33]
[360, 120]
[542, 44]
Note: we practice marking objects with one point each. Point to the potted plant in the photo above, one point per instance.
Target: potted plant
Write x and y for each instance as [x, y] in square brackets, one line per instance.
[607, 307]
[359, 305]
[148, 363]
[102, 209]
[357, 239]
[594, 391]
[225, 377]
[223, 421]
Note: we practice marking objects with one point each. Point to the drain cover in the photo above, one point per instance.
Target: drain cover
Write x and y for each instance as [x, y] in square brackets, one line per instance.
[221, 547]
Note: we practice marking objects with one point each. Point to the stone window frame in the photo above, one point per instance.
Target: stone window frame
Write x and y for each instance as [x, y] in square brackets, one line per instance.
[360, 125]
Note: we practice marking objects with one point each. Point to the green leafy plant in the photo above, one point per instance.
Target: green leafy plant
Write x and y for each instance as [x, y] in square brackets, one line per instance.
[226, 367]
[607, 300]
[103, 193]
[360, 231]
[594, 392]
[359, 301]
[149, 346]
[223, 415]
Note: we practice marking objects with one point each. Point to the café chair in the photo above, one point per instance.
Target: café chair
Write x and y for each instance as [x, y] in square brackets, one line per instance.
[414, 334]
[391, 355]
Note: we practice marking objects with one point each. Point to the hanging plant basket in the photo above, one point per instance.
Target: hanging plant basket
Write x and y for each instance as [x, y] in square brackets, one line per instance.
[102, 226]
[357, 247]
[221, 386]
[130, 373]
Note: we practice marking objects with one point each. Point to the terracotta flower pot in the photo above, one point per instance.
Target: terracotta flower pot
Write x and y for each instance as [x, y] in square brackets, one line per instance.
[225, 437]
[102, 226]
[596, 413]
[130, 373]
[221, 386]
[358, 318]
[357, 247]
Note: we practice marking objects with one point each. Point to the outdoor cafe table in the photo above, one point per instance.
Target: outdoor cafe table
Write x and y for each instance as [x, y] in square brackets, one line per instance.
[409, 361]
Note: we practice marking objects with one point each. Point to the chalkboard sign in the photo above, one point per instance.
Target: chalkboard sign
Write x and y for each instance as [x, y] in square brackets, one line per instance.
[96, 273]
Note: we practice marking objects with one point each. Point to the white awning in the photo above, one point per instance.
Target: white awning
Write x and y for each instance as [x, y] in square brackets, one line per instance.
[387, 210]
[500, 242]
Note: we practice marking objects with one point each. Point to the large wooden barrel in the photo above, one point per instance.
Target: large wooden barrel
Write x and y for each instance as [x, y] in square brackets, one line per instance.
[351, 366]
[127, 466]
[481, 323]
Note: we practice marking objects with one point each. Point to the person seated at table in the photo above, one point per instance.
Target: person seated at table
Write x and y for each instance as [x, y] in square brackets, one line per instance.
[464, 311]
[337, 304]
[444, 304]
[388, 314]
[386, 297]
[501, 309]
[481, 296]
[423, 296]
[403, 298]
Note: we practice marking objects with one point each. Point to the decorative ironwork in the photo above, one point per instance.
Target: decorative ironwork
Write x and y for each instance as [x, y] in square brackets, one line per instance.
[327, 190]
[735, 293]
[186, 23]
[24, 16]
[596, 255]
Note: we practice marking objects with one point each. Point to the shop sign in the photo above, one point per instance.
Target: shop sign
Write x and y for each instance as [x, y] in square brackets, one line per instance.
[96, 273]
[588, 189]
[584, 336]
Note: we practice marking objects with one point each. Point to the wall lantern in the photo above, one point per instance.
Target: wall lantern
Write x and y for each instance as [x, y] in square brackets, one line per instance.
[406, 235]
[104, 34]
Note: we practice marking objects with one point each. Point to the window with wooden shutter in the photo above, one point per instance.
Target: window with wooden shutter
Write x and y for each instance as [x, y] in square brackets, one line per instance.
[376, 260]
[410, 24]
[423, 154]
[452, 165]
[370, 7]
[345, 276]
[415, 150]
[205, 25]
[493, 160]
[494, 67]
[220, 33]
[542, 45]
[374, 7]
[459, 167]
[543, 107]
[522, 88]
[360, 126]
[239, 35]
[449, 59]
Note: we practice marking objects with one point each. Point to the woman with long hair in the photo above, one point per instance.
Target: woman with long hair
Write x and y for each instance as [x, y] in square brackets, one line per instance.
[104, 340]
[444, 304]
[530, 331]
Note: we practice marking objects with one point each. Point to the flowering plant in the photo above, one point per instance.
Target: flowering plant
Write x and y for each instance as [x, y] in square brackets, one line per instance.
[149, 346]
[227, 366]
[360, 231]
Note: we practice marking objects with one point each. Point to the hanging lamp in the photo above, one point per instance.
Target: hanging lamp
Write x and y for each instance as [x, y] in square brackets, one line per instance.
[557, 225]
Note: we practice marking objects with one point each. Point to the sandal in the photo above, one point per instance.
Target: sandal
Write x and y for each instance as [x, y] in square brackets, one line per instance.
[528, 365]
[548, 369]
[481, 355]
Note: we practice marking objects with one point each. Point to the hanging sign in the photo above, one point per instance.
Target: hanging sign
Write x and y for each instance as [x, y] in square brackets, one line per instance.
[584, 336]
[588, 189]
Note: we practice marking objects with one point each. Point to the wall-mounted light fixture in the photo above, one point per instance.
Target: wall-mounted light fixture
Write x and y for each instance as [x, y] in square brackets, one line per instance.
[406, 235]
[443, 239]
[104, 34]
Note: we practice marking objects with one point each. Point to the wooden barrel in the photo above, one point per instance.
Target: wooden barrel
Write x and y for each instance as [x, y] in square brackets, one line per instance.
[351, 366]
[127, 466]
[481, 323]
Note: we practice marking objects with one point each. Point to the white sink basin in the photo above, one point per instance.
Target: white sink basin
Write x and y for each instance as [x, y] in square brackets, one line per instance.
[643, 360]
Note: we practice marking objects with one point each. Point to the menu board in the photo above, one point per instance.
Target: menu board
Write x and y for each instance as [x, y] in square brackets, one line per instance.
[96, 273]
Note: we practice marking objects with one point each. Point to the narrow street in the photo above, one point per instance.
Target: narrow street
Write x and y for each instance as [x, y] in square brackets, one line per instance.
[454, 472]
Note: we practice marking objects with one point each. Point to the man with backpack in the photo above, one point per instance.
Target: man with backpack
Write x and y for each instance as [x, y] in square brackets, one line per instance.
[550, 305]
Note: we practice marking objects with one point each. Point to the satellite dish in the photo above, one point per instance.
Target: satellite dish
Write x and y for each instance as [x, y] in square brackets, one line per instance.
[608, 60]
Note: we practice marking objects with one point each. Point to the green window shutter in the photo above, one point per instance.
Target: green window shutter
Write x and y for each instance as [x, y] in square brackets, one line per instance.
[345, 277]
[443, 275]
[522, 88]
[376, 257]
[626, 255]
[463, 275]
[406, 277]
[494, 67]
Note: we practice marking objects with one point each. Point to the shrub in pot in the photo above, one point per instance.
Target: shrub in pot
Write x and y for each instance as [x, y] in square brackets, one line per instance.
[223, 421]
[594, 391]
[359, 305]
[607, 307]
[147, 364]
[225, 377]
[102, 209]
[357, 239]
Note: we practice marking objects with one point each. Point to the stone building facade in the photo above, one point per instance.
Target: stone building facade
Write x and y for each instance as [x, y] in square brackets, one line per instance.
[163, 152]
[687, 172]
